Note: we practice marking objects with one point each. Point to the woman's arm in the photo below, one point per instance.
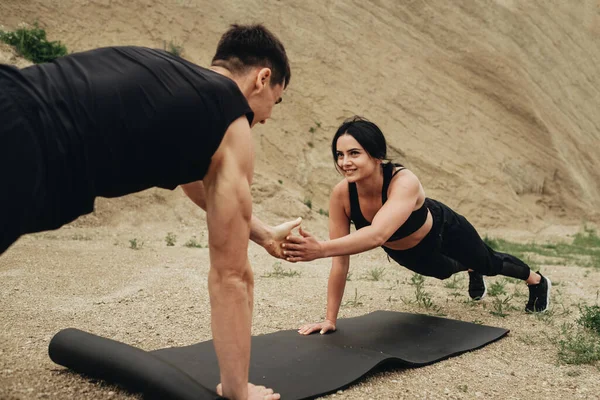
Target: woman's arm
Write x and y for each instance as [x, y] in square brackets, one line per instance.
[336, 286]
[339, 226]
[335, 293]
[402, 198]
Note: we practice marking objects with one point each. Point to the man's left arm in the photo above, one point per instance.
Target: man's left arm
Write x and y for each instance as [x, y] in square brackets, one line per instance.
[269, 237]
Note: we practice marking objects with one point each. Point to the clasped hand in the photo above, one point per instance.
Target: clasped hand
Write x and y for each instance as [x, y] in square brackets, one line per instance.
[302, 248]
[277, 235]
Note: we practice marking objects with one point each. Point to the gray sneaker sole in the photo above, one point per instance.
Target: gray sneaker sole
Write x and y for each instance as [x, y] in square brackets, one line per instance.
[549, 283]
[547, 295]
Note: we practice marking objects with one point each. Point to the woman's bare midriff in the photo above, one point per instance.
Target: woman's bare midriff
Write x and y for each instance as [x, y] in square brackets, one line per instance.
[414, 239]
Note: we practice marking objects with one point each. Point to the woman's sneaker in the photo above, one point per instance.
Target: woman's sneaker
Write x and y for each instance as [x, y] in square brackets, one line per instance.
[477, 288]
[539, 295]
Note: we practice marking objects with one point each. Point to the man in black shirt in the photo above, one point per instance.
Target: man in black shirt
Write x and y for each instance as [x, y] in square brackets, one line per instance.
[118, 120]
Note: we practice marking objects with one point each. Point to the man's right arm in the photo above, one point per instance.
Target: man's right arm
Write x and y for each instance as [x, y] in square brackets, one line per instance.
[195, 191]
[230, 282]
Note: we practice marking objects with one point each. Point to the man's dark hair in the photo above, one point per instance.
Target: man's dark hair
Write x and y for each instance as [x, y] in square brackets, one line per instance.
[244, 46]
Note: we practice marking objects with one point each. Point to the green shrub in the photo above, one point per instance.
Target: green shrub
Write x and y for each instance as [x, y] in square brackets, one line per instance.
[134, 244]
[32, 44]
[279, 272]
[590, 318]
[323, 212]
[175, 49]
[171, 239]
[193, 243]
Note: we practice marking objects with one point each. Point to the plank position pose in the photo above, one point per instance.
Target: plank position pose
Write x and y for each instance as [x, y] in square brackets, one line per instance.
[388, 206]
[118, 120]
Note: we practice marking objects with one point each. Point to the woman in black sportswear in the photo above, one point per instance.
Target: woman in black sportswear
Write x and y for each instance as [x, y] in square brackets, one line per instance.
[388, 206]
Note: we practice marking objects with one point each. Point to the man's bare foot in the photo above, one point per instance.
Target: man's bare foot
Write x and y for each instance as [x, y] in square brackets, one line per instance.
[255, 392]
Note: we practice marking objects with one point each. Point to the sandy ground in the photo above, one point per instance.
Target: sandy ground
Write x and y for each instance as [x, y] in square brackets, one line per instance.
[88, 277]
[493, 104]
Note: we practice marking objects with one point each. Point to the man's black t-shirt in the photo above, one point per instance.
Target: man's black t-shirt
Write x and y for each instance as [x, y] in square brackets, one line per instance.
[117, 120]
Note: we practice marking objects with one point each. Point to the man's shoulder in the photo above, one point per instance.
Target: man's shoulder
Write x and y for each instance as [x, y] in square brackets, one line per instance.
[140, 54]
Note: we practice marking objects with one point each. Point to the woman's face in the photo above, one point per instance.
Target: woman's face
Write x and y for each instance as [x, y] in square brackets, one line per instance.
[353, 160]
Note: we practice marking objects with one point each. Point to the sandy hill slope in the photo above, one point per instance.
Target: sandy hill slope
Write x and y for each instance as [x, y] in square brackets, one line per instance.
[492, 103]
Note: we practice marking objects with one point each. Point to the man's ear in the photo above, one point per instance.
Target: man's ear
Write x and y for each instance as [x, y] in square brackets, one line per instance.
[263, 78]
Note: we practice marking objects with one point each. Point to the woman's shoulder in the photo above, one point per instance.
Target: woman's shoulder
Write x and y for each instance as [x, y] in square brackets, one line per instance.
[341, 187]
[340, 192]
[404, 177]
[400, 170]
[340, 198]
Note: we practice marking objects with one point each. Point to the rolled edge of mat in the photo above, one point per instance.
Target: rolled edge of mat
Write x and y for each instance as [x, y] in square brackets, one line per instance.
[117, 362]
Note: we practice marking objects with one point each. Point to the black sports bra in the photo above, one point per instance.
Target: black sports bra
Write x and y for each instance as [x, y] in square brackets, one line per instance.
[411, 225]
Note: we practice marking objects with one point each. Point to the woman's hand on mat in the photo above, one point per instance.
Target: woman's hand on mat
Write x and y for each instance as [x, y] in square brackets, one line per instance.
[277, 236]
[255, 392]
[322, 327]
[302, 248]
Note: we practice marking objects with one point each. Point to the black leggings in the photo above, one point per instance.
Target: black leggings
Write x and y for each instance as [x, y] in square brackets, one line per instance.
[453, 245]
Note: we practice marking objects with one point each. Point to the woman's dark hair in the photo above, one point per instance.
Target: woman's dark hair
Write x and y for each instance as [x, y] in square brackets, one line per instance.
[366, 133]
[244, 46]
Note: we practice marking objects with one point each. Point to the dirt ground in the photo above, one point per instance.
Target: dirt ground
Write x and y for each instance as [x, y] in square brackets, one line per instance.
[493, 104]
[89, 277]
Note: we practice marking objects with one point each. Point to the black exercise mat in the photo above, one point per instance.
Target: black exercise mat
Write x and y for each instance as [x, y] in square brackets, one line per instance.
[298, 367]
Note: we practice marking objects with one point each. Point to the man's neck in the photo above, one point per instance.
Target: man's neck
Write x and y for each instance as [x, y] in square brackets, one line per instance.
[222, 71]
[241, 81]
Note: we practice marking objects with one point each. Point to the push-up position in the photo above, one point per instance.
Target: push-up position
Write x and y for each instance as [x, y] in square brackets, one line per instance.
[118, 120]
[388, 206]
